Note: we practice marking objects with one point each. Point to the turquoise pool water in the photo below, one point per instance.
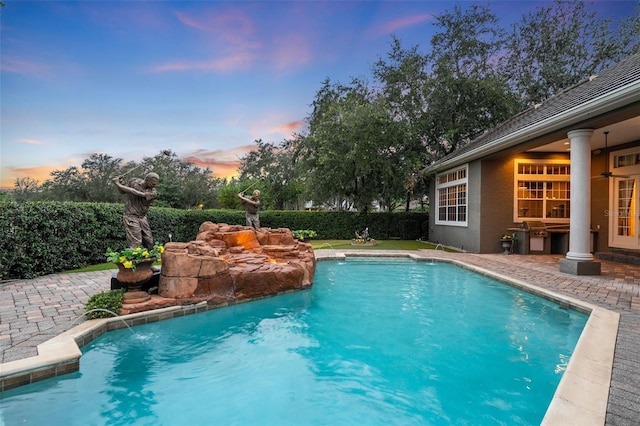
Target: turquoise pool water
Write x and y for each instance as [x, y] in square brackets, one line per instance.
[375, 342]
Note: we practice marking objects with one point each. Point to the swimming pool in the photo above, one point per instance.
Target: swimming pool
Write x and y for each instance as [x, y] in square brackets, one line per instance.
[375, 342]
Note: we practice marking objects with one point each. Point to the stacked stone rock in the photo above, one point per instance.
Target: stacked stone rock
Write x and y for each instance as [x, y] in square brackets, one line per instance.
[230, 263]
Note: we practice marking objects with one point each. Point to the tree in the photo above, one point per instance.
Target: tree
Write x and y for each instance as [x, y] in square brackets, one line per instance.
[405, 81]
[467, 95]
[557, 46]
[182, 185]
[66, 185]
[91, 182]
[25, 189]
[275, 166]
[228, 195]
[354, 150]
[328, 152]
[98, 171]
[630, 33]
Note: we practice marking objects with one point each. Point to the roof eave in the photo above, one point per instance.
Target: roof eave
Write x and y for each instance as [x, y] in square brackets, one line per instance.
[608, 102]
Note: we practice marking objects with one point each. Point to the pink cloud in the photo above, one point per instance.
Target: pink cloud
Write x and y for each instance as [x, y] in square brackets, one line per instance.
[30, 141]
[223, 163]
[231, 26]
[188, 21]
[290, 51]
[40, 174]
[398, 24]
[289, 128]
[239, 42]
[230, 34]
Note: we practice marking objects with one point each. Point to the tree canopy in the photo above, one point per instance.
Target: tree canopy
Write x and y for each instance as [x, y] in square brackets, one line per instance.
[182, 185]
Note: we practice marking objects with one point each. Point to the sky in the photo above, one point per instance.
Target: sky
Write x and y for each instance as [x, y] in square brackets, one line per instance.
[204, 79]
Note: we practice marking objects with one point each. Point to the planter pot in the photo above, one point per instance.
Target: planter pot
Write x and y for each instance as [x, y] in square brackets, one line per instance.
[365, 244]
[506, 245]
[135, 279]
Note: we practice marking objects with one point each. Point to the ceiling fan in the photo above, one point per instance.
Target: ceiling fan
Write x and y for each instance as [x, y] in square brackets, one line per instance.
[607, 174]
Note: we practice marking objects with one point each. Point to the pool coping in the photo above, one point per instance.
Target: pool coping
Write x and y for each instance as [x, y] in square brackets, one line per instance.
[580, 398]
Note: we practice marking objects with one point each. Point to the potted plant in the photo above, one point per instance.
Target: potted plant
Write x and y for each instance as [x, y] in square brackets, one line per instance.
[507, 242]
[363, 239]
[363, 242]
[134, 264]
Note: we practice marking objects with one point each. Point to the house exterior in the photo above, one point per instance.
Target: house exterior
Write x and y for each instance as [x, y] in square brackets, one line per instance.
[563, 177]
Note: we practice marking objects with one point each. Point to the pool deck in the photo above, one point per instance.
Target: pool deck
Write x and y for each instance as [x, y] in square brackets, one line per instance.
[33, 312]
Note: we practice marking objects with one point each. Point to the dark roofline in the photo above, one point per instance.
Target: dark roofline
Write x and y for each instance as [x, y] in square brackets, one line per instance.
[615, 87]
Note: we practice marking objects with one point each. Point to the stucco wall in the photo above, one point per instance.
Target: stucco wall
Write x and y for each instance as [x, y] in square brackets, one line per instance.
[600, 190]
[497, 203]
[462, 237]
[491, 214]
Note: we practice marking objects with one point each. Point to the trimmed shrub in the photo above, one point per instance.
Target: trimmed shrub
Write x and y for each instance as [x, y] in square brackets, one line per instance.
[40, 238]
[105, 304]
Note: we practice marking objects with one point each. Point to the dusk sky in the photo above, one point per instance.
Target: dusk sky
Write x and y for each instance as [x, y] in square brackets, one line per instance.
[201, 78]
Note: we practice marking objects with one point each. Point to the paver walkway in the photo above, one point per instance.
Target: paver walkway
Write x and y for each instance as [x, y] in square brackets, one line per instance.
[33, 311]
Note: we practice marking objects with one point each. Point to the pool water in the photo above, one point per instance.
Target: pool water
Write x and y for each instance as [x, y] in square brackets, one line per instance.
[374, 342]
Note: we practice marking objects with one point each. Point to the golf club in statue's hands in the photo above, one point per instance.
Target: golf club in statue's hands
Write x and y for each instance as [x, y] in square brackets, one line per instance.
[166, 153]
[252, 185]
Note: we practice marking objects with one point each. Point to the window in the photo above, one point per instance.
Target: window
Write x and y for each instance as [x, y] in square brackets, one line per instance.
[628, 158]
[543, 190]
[451, 194]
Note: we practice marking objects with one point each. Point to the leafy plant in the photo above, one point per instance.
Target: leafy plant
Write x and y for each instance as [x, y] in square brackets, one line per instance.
[363, 237]
[363, 240]
[304, 234]
[105, 304]
[130, 257]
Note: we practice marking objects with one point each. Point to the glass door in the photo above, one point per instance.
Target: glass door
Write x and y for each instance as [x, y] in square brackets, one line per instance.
[625, 212]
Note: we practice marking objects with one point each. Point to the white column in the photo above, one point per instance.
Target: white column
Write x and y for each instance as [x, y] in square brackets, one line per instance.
[580, 222]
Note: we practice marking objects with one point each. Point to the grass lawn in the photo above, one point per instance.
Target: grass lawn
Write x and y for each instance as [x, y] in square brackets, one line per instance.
[381, 245]
[317, 244]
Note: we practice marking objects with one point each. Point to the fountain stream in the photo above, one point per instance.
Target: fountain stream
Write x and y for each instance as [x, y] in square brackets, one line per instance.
[100, 310]
[327, 244]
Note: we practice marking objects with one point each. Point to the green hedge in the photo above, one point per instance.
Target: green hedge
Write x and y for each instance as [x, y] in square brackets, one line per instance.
[47, 237]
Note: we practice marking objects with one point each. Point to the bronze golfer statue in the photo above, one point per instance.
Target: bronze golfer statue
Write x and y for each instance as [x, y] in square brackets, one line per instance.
[140, 193]
[252, 206]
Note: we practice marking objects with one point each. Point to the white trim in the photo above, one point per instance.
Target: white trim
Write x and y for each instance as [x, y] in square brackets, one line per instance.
[624, 170]
[453, 183]
[538, 178]
[633, 171]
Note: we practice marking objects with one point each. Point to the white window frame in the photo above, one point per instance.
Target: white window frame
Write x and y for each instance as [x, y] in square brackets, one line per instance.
[543, 178]
[632, 170]
[455, 183]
